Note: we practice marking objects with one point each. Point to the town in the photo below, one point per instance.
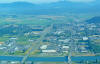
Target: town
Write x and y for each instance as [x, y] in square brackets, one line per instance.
[56, 40]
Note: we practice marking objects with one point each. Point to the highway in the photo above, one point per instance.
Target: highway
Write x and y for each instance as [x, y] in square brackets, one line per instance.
[38, 43]
[70, 53]
[71, 46]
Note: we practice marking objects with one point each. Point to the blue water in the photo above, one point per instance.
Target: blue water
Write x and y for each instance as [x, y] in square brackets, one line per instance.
[85, 58]
[44, 59]
[50, 59]
[10, 58]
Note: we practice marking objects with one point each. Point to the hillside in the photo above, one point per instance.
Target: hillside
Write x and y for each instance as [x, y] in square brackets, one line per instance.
[52, 8]
[94, 20]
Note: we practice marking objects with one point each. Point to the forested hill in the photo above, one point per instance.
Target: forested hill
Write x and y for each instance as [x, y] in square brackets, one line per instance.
[94, 20]
[50, 8]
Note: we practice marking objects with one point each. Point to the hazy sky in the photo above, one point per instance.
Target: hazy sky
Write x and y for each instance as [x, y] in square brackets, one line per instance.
[43, 1]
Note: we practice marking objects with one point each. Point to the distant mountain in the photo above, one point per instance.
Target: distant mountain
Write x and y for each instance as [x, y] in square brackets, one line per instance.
[94, 20]
[51, 8]
[16, 8]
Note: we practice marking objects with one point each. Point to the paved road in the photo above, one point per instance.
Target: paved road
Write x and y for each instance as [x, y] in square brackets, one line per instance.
[71, 45]
[38, 43]
[70, 51]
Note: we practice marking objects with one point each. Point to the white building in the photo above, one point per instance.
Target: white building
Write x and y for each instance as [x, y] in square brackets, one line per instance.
[44, 47]
[85, 38]
[49, 51]
[65, 47]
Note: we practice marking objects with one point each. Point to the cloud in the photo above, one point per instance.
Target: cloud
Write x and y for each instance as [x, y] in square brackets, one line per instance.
[44, 1]
[32, 1]
[81, 0]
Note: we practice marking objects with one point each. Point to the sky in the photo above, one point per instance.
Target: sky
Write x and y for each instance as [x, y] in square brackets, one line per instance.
[44, 1]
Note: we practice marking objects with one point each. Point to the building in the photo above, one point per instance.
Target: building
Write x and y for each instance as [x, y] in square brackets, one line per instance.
[49, 51]
[85, 38]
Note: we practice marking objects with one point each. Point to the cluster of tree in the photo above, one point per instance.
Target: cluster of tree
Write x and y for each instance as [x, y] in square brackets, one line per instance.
[15, 30]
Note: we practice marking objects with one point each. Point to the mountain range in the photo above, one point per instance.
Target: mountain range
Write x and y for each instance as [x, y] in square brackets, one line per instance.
[50, 8]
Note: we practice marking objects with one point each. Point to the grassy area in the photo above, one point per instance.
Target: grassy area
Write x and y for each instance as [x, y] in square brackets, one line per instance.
[2, 39]
[33, 21]
[1, 52]
[19, 53]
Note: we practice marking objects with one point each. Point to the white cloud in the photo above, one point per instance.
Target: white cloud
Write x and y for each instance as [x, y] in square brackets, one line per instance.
[32, 1]
[44, 1]
[81, 0]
